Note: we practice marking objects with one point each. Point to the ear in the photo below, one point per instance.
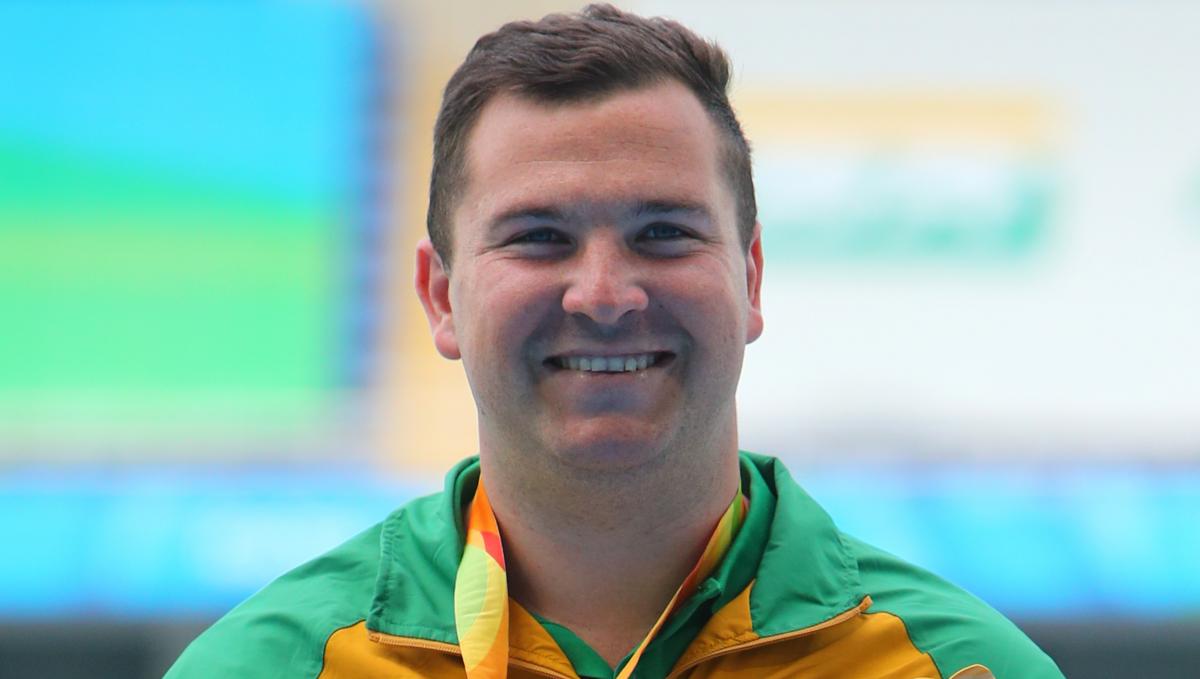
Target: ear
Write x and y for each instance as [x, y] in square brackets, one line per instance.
[433, 288]
[754, 273]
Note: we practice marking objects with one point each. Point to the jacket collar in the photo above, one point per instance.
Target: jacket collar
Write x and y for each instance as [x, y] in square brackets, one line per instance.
[802, 571]
[807, 573]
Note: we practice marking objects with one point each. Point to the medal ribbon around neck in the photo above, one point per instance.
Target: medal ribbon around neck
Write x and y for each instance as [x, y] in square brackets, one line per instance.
[481, 588]
[481, 594]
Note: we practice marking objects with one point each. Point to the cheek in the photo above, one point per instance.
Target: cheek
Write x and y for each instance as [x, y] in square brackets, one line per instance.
[715, 302]
[501, 310]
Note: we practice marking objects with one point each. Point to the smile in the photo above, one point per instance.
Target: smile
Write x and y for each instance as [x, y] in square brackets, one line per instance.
[608, 364]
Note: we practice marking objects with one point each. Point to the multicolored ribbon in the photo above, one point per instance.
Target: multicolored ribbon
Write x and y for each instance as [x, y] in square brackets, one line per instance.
[481, 594]
[481, 588]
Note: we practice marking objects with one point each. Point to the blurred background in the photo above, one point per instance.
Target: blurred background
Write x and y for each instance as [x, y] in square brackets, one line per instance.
[982, 227]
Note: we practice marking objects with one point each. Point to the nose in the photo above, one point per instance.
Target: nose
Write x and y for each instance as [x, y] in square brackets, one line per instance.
[604, 283]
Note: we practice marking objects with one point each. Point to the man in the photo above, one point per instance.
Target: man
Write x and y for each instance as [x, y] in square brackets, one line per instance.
[595, 262]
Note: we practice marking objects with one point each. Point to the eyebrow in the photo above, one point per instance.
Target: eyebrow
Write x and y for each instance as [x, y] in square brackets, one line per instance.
[656, 208]
[548, 214]
[641, 209]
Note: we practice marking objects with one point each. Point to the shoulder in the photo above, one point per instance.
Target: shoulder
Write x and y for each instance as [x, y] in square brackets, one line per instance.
[281, 631]
[954, 627]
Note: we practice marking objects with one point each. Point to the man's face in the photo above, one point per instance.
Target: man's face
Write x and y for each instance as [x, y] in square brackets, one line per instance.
[600, 298]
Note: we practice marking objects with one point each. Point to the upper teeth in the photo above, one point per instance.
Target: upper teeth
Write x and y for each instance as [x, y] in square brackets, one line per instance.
[609, 364]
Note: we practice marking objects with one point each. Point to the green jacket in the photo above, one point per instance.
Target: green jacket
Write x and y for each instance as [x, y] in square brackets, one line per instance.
[794, 597]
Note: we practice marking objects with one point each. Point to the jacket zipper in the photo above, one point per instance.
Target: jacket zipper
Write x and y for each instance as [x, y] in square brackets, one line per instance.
[764, 641]
[443, 647]
[390, 640]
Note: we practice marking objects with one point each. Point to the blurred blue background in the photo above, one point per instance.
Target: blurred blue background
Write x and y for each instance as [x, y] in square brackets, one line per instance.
[983, 259]
[155, 542]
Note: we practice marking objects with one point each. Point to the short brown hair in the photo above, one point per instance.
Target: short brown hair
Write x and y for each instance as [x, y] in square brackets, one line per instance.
[577, 57]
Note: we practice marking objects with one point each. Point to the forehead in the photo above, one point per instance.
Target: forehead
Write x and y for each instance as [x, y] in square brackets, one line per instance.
[655, 143]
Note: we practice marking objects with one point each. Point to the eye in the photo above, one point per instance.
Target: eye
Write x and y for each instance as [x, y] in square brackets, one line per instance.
[662, 231]
[539, 237]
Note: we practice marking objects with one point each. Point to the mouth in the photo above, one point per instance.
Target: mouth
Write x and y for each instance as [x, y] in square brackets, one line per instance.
[623, 363]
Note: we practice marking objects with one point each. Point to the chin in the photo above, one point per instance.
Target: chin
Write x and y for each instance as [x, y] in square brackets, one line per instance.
[608, 449]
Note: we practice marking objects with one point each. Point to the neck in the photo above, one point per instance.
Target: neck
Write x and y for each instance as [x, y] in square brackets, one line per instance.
[604, 555]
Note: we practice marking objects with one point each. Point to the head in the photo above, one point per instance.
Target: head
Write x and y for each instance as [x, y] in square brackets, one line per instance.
[605, 282]
[576, 58]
